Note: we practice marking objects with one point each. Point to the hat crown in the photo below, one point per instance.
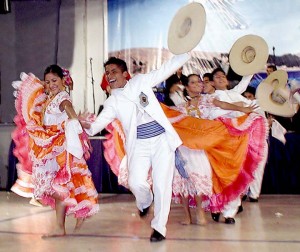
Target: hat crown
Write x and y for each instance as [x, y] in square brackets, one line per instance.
[278, 96]
[248, 54]
[185, 27]
[273, 95]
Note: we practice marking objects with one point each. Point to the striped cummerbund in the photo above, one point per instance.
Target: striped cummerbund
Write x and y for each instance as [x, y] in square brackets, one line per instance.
[149, 130]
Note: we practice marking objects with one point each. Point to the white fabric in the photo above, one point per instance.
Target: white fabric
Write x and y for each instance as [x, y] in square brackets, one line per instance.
[255, 185]
[199, 171]
[143, 118]
[231, 208]
[229, 96]
[297, 97]
[74, 146]
[43, 176]
[53, 115]
[153, 152]
[124, 105]
[243, 84]
[259, 110]
[278, 131]
[177, 97]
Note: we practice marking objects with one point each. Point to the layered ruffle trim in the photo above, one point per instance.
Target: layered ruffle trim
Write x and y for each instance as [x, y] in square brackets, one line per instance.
[257, 128]
[36, 144]
[28, 87]
[79, 194]
[195, 185]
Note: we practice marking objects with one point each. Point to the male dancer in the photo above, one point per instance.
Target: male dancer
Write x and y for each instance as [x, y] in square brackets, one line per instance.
[151, 140]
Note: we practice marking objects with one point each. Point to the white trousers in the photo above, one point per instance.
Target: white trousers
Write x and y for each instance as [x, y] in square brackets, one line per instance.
[231, 208]
[255, 185]
[153, 152]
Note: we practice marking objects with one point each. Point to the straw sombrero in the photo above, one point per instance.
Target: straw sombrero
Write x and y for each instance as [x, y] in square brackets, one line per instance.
[273, 95]
[186, 28]
[248, 55]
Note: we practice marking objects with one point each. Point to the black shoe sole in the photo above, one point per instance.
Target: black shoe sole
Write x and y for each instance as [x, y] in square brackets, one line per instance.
[156, 236]
[144, 212]
[253, 200]
[215, 216]
[229, 221]
[240, 209]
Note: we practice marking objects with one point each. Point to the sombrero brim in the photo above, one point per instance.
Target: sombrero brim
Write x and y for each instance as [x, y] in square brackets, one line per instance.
[257, 50]
[187, 28]
[265, 89]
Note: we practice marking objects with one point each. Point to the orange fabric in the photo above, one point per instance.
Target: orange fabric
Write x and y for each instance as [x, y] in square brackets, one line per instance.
[65, 176]
[225, 152]
[234, 147]
[32, 101]
[73, 181]
[119, 142]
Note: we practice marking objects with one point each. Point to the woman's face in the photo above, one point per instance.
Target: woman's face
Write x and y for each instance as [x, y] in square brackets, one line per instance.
[54, 83]
[194, 86]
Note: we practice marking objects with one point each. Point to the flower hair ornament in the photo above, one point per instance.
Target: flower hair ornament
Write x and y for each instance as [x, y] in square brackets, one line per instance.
[68, 79]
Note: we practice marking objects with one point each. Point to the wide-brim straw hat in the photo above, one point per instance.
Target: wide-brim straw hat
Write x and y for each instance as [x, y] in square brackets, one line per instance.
[273, 95]
[248, 55]
[187, 28]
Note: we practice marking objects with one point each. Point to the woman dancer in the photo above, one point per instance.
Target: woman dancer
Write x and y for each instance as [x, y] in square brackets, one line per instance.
[197, 167]
[57, 145]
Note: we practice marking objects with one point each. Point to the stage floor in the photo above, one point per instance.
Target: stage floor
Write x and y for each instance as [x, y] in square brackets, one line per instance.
[272, 224]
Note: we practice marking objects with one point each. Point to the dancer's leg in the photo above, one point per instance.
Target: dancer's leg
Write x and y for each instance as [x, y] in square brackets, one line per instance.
[200, 214]
[187, 219]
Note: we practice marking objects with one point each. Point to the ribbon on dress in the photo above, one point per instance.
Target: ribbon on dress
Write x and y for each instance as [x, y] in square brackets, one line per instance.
[180, 164]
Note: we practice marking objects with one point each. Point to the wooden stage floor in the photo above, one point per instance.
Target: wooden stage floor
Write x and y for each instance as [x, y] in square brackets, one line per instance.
[272, 224]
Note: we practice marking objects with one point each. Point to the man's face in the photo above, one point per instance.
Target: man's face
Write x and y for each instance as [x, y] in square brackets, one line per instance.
[249, 96]
[220, 81]
[115, 77]
[207, 86]
[269, 70]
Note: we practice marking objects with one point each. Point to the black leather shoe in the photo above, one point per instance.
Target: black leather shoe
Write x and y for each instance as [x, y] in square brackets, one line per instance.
[156, 236]
[144, 212]
[215, 216]
[229, 220]
[240, 209]
[244, 197]
[253, 200]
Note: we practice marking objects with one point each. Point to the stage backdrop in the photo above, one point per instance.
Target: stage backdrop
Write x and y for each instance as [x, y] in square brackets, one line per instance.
[137, 32]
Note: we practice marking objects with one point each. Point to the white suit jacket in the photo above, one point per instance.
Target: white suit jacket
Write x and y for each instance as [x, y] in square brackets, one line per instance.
[124, 104]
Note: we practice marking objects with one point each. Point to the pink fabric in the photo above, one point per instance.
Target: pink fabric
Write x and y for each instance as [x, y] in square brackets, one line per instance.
[257, 128]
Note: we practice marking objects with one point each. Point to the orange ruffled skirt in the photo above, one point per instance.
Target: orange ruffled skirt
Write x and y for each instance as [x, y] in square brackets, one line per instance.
[43, 148]
[234, 147]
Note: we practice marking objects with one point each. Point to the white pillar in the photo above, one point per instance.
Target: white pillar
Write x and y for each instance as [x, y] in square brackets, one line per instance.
[89, 47]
